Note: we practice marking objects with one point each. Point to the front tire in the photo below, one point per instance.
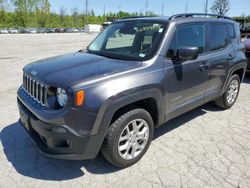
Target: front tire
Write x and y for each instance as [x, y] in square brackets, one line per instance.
[128, 138]
[230, 96]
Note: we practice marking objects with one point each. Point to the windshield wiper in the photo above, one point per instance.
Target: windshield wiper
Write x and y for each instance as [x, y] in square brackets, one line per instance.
[111, 56]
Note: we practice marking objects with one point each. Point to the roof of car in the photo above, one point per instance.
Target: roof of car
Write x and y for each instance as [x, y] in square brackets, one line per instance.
[190, 17]
[148, 18]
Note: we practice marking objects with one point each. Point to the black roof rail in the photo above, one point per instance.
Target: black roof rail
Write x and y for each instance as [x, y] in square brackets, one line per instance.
[198, 14]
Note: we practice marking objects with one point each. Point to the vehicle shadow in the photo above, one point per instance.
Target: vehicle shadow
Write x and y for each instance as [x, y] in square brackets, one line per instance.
[27, 160]
[247, 78]
[185, 118]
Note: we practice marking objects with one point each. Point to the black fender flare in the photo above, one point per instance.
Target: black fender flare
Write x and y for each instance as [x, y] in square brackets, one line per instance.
[241, 65]
[111, 105]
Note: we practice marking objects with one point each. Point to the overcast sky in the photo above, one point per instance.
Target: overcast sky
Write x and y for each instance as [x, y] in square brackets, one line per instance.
[237, 8]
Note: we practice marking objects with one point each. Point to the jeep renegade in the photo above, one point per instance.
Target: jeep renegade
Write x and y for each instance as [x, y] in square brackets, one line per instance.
[136, 75]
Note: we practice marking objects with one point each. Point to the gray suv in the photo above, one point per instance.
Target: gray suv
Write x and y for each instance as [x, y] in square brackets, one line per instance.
[136, 75]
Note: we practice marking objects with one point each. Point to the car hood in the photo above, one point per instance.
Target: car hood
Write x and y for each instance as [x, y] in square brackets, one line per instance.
[67, 70]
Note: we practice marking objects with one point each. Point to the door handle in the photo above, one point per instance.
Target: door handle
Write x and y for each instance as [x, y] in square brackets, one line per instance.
[204, 67]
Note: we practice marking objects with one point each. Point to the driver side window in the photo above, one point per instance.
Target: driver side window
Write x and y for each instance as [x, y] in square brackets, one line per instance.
[187, 36]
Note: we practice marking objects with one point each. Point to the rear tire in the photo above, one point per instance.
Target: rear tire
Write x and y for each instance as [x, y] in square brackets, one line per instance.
[128, 138]
[228, 99]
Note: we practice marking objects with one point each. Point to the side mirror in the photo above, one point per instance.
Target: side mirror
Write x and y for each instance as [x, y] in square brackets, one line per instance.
[187, 53]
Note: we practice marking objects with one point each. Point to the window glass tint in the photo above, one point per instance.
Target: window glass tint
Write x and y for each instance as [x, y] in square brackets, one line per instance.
[191, 36]
[231, 32]
[129, 40]
[187, 36]
[218, 36]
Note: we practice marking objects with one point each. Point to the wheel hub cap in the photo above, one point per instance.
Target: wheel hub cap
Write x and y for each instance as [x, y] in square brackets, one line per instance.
[133, 139]
[232, 92]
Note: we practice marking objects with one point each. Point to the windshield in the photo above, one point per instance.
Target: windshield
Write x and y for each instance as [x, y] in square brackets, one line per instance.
[129, 40]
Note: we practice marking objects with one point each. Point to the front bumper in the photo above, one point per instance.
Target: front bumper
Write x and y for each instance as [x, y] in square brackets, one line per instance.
[58, 140]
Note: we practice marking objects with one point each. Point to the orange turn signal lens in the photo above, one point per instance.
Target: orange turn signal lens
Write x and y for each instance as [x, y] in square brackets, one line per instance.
[80, 96]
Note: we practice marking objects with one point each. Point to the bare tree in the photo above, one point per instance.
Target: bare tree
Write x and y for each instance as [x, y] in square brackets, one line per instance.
[220, 7]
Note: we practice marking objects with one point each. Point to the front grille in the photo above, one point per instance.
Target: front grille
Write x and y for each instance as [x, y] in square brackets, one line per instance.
[35, 89]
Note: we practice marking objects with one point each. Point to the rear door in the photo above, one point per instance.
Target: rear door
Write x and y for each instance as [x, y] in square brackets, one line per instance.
[222, 56]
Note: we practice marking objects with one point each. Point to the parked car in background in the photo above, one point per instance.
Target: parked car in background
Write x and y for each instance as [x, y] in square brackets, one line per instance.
[41, 30]
[23, 30]
[4, 31]
[28, 30]
[32, 30]
[59, 30]
[75, 30]
[50, 30]
[13, 31]
[68, 30]
[135, 76]
[81, 30]
[246, 42]
[71, 30]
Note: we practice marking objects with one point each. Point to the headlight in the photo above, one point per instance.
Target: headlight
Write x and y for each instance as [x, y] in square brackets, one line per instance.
[61, 96]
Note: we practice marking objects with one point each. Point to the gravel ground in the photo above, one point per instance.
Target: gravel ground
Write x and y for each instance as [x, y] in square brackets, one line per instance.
[206, 147]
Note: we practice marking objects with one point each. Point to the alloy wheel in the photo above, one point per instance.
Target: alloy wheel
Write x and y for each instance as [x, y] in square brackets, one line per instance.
[232, 92]
[133, 139]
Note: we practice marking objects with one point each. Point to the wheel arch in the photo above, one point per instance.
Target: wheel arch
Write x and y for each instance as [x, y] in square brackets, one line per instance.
[148, 104]
[112, 108]
[240, 72]
[239, 69]
[145, 99]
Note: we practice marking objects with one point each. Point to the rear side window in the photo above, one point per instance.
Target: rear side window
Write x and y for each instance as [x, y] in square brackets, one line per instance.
[218, 34]
[231, 32]
[188, 36]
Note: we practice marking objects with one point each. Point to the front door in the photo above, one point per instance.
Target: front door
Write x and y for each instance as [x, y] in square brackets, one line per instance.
[186, 82]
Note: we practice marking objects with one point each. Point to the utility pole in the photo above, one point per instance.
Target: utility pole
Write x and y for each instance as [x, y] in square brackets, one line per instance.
[86, 12]
[146, 11]
[206, 7]
[186, 7]
[162, 8]
[104, 10]
[86, 6]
